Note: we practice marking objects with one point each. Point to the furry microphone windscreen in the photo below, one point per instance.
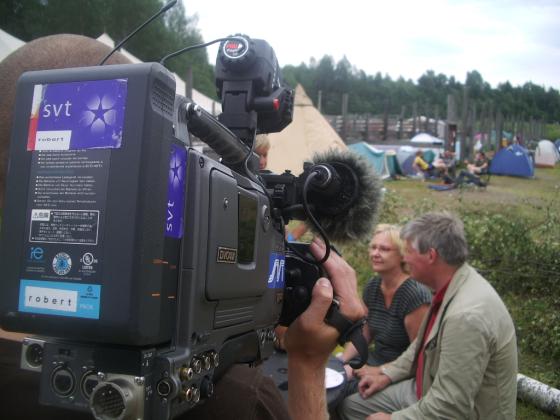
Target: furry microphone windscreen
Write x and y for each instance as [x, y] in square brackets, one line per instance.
[357, 221]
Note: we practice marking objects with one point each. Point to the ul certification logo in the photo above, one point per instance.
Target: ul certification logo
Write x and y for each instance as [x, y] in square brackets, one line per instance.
[62, 263]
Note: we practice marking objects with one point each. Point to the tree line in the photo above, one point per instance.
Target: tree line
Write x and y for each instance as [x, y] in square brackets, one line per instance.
[30, 19]
[379, 94]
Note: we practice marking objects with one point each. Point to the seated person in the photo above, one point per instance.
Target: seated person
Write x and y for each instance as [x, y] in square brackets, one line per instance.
[465, 177]
[396, 305]
[428, 169]
[447, 162]
[463, 364]
[480, 164]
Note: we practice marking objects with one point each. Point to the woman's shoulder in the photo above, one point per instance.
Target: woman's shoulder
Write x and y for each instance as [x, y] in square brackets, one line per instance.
[372, 286]
[412, 290]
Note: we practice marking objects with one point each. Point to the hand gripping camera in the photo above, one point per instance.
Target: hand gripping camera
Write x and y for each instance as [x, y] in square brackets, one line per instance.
[144, 267]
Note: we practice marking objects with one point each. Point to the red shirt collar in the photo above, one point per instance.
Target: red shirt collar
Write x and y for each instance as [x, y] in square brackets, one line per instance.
[440, 294]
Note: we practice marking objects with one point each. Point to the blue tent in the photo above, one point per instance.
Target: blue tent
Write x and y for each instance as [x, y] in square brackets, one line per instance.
[374, 156]
[557, 144]
[514, 160]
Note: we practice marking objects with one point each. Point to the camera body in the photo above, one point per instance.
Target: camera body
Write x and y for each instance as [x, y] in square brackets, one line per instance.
[144, 267]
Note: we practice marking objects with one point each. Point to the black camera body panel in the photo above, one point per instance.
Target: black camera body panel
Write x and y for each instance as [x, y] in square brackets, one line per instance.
[187, 264]
[123, 188]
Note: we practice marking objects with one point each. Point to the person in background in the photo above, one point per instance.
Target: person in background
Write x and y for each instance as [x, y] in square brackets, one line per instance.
[396, 305]
[262, 146]
[447, 162]
[463, 363]
[438, 168]
[480, 164]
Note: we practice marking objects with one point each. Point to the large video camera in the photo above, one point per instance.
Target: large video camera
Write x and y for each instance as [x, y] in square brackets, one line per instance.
[145, 267]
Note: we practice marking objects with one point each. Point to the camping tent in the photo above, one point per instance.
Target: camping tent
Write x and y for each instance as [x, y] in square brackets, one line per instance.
[375, 156]
[393, 163]
[546, 154]
[513, 160]
[557, 144]
[308, 133]
[405, 157]
[426, 139]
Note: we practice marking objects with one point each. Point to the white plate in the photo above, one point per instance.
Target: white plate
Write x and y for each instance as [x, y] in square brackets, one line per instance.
[332, 378]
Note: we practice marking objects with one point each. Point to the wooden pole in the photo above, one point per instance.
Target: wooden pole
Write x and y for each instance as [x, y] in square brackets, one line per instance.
[385, 120]
[401, 123]
[464, 116]
[414, 117]
[344, 115]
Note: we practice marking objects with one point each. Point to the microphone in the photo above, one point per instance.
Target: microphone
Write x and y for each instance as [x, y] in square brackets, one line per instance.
[344, 194]
[161, 11]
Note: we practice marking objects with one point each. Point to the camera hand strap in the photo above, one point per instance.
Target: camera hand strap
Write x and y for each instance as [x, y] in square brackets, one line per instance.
[349, 331]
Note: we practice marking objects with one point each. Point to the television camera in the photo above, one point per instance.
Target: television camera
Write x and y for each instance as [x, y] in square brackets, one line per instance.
[146, 268]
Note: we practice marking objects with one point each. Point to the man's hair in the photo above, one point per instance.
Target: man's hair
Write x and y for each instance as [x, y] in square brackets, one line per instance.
[50, 52]
[262, 142]
[442, 231]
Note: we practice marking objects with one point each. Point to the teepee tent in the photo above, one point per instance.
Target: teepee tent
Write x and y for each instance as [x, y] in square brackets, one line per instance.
[8, 44]
[308, 134]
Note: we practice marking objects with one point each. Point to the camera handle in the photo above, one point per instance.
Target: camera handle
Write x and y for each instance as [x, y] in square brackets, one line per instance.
[301, 277]
[349, 332]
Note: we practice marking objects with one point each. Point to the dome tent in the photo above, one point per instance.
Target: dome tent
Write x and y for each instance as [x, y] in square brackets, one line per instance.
[513, 160]
[546, 154]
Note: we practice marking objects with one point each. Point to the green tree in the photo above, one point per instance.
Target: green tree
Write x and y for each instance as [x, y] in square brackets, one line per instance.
[30, 19]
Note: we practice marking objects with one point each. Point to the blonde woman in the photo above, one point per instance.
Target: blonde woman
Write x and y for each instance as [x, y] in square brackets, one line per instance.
[396, 305]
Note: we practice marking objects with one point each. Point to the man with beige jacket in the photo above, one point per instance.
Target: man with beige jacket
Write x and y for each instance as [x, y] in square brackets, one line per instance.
[463, 364]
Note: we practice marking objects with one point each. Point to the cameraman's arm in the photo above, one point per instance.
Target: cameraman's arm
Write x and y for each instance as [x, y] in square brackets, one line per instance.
[309, 341]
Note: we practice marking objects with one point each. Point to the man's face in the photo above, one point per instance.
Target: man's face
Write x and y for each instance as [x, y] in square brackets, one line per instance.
[418, 264]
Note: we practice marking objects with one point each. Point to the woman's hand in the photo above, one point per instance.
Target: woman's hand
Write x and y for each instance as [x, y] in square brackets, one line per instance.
[367, 370]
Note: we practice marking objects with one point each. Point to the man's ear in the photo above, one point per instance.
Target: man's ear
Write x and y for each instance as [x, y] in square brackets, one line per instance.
[432, 255]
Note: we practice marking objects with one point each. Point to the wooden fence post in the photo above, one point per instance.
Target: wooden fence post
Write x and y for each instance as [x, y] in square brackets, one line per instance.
[401, 123]
[344, 115]
[464, 116]
[414, 117]
[451, 124]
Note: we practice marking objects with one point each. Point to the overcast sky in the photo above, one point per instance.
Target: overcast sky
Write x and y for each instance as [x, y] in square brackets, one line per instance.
[515, 40]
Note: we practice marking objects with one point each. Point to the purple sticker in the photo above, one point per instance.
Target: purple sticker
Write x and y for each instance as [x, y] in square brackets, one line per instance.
[176, 192]
[77, 115]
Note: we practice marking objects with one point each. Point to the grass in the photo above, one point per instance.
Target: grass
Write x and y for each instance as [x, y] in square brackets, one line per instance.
[506, 195]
